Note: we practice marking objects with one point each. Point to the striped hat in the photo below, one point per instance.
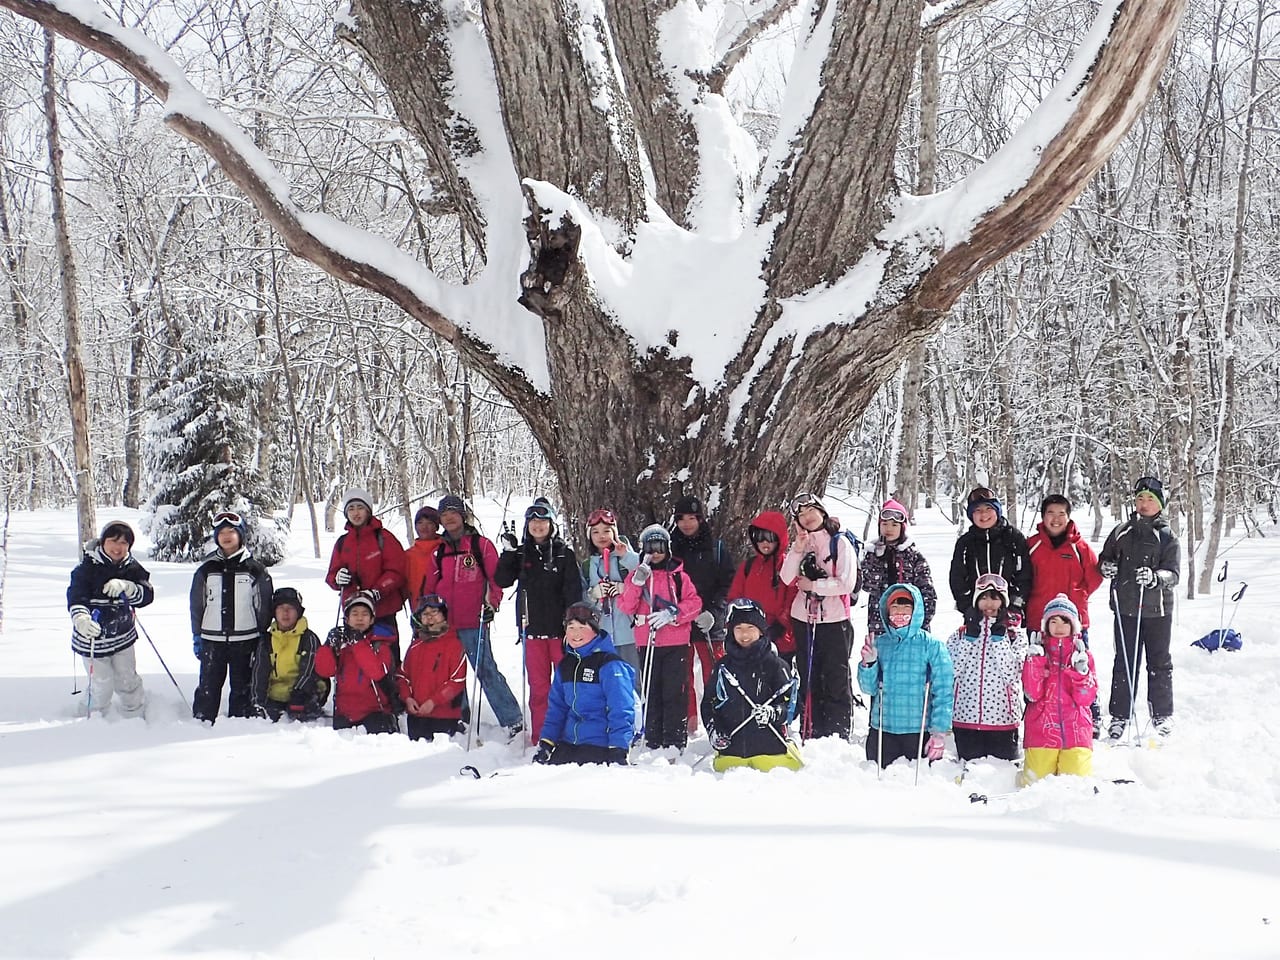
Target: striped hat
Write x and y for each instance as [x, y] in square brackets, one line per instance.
[1060, 606]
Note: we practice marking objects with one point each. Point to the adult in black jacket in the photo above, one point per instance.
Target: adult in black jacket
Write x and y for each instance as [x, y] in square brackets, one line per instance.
[710, 567]
[549, 584]
[991, 545]
[105, 589]
[1142, 557]
[751, 697]
[230, 614]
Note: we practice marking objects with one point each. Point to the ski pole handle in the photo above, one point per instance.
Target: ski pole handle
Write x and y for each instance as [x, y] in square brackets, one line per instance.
[1222, 574]
[1235, 597]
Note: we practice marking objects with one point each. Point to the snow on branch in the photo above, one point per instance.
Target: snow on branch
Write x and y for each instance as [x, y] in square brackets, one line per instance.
[341, 250]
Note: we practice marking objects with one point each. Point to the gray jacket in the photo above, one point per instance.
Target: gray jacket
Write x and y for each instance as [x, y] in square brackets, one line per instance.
[1136, 543]
[231, 598]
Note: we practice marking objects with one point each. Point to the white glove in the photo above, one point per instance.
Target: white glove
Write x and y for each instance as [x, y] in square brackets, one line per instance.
[1145, 577]
[705, 621]
[85, 626]
[597, 593]
[1080, 661]
[342, 577]
[120, 587]
[612, 588]
[764, 714]
[1108, 568]
[640, 575]
[1035, 649]
[663, 618]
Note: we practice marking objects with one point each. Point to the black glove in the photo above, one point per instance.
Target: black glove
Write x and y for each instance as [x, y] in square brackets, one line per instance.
[972, 622]
[810, 569]
[389, 689]
[508, 537]
[616, 755]
[338, 639]
[1000, 626]
[545, 749]
[376, 595]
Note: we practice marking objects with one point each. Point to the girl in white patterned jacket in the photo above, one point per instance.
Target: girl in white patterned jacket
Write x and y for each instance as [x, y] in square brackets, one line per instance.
[988, 653]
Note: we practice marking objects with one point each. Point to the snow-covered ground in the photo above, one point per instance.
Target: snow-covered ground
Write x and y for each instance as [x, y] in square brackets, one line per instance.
[164, 838]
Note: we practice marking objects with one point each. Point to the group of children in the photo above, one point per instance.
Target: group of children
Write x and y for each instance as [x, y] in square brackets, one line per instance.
[614, 636]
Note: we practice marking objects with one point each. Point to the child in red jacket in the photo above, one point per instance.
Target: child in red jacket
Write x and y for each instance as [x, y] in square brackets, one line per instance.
[359, 654]
[1060, 685]
[434, 673]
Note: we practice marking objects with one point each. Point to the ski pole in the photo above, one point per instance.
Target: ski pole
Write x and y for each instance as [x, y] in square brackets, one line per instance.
[806, 721]
[924, 713]
[646, 680]
[1124, 646]
[733, 682]
[1235, 605]
[477, 691]
[880, 729]
[522, 636]
[143, 629]
[75, 674]
[1222, 607]
[88, 700]
[1135, 735]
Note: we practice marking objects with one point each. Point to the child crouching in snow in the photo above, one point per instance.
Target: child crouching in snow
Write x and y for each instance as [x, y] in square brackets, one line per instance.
[750, 698]
[360, 655]
[284, 666]
[1060, 684]
[433, 676]
[591, 707]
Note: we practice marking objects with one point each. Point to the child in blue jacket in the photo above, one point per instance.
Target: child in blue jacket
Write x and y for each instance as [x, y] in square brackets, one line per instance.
[895, 668]
[591, 709]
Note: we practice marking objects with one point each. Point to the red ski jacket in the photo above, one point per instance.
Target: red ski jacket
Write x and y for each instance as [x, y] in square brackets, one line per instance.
[1071, 569]
[376, 559]
[435, 669]
[759, 579]
[358, 668]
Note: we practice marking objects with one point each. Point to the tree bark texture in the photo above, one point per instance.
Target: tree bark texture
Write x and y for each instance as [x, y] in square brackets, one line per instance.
[77, 393]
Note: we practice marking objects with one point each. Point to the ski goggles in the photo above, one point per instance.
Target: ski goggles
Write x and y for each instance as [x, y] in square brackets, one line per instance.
[539, 511]
[800, 501]
[990, 581]
[583, 613]
[893, 514]
[745, 604]
[761, 535]
[981, 495]
[602, 516]
[227, 518]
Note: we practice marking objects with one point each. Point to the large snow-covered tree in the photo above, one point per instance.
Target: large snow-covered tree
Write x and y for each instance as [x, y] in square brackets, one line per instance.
[664, 303]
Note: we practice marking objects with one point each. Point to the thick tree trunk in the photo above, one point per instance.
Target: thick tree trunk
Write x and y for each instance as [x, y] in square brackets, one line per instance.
[77, 391]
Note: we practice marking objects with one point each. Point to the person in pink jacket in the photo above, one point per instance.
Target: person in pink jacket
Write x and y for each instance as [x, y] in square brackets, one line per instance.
[823, 564]
[664, 602]
[1059, 681]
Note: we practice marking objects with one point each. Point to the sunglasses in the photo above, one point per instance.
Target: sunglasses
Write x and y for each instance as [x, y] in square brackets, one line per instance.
[897, 516]
[991, 581]
[602, 516]
[760, 535]
[539, 511]
[803, 500]
[227, 516]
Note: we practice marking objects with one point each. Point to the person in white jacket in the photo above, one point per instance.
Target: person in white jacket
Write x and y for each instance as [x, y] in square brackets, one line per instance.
[987, 653]
[823, 563]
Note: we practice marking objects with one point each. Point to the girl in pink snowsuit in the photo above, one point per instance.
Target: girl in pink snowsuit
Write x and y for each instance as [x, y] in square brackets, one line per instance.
[1059, 681]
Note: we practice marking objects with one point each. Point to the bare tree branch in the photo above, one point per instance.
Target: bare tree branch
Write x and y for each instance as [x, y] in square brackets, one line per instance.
[740, 46]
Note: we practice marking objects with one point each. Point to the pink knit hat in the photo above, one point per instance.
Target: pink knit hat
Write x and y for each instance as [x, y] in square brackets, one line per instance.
[893, 510]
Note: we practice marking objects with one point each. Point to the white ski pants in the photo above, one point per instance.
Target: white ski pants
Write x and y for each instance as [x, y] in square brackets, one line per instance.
[117, 673]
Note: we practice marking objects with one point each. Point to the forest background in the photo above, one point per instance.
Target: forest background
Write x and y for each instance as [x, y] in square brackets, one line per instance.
[1138, 335]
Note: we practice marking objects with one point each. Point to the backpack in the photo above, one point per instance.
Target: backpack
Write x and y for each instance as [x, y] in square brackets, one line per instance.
[1220, 639]
[856, 545]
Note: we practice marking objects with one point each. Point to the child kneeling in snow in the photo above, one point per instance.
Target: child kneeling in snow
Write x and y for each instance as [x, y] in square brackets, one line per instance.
[284, 666]
[750, 697]
[360, 655]
[1060, 684]
[591, 707]
[897, 669]
[433, 676]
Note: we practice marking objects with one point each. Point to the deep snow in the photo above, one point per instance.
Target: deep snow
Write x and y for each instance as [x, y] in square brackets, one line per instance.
[167, 838]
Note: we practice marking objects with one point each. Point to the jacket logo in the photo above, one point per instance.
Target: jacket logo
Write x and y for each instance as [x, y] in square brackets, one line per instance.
[588, 675]
[468, 560]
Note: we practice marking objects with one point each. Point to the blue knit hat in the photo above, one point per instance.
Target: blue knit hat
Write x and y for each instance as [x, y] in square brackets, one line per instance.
[1060, 606]
[983, 496]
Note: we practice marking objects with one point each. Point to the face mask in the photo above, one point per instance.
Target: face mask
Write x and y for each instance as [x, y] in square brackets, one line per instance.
[900, 619]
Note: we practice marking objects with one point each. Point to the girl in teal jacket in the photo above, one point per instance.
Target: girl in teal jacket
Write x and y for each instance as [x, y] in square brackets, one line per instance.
[895, 668]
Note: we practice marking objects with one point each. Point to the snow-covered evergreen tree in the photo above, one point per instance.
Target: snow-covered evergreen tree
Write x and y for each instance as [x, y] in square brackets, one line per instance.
[199, 443]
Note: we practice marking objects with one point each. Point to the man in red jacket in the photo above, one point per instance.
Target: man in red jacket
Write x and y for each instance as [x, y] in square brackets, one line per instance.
[369, 557]
[1062, 562]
